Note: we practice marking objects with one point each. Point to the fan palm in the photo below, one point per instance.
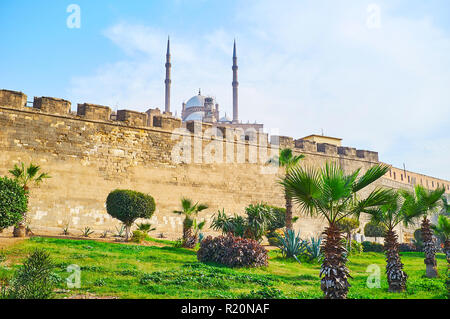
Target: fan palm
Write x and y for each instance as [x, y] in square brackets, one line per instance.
[26, 176]
[287, 160]
[422, 203]
[389, 216]
[189, 211]
[330, 193]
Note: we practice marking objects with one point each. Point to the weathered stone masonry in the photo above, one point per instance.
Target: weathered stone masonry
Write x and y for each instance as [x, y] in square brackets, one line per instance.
[88, 155]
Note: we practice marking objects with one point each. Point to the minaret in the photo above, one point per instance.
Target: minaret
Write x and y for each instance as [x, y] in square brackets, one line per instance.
[168, 81]
[235, 86]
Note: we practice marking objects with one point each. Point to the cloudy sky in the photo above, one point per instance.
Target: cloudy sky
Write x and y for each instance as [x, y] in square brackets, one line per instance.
[375, 73]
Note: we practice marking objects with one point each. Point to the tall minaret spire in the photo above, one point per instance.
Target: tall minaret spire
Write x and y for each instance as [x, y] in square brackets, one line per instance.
[235, 86]
[168, 81]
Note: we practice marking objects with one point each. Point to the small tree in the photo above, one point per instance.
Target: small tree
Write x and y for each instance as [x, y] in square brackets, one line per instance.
[190, 210]
[373, 229]
[25, 177]
[128, 205]
[13, 202]
[347, 225]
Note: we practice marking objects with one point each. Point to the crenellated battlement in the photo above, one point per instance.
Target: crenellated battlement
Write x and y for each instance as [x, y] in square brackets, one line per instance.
[157, 120]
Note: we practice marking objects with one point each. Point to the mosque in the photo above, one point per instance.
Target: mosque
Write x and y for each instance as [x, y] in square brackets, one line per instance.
[205, 108]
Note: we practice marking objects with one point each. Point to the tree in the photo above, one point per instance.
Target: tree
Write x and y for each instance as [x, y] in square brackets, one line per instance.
[372, 229]
[442, 231]
[189, 211]
[389, 216]
[332, 194]
[347, 225]
[25, 177]
[287, 160]
[128, 205]
[422, 203]
[13, 202]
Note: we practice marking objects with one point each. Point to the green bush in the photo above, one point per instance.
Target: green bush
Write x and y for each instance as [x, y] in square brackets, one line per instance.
[356, 248]
[374, 230]
[372, 247]
[128, 205]
[232, 251]
[34, 280]
[258, 221]
[13, 202]
[139, 236]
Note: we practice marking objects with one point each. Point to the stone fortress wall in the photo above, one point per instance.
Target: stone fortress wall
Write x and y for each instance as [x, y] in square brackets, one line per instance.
[88, 155]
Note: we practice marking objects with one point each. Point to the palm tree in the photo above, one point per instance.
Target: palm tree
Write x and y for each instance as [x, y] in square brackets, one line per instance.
[389, 216]
[25, 177]
[330, 193]
[287, 160]
[423, 202]
[189, 210]
[442, 231]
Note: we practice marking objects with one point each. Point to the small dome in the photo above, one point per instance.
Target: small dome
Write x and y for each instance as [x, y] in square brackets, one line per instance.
[196, 101]
[196, 116]
[225, 119]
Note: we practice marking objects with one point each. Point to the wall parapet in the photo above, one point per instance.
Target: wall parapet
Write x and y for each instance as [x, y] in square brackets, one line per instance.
[155, 119]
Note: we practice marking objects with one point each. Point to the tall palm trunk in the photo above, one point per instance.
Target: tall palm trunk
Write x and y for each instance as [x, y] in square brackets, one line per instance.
[429, 249]
[334, 273]
[189, 241]
[394, 267]
[288, 211]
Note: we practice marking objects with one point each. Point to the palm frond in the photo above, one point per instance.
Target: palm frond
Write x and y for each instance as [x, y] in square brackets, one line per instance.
[370, 176]
[304, 186]
[378, 197]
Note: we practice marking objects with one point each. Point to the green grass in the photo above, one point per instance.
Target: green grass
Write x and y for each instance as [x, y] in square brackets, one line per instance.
[133, 271]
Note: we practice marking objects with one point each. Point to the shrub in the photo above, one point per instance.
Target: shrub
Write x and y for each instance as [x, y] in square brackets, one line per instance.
[34, 280]
[291, 244]
[313, 249]
[139, 236]
[356, 248]
[128, 205]
[372, 247]
[405, 247]
[13, 202]
[232, 251]
[258, 221]
[374, 230]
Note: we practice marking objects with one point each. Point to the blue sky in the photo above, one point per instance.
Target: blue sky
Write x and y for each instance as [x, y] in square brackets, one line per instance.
[304, 65]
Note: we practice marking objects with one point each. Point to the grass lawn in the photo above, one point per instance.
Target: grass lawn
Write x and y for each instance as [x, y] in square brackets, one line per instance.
[135, 271]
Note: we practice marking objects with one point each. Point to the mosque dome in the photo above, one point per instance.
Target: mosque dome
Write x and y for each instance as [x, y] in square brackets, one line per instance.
[196, 101]
[225, 119]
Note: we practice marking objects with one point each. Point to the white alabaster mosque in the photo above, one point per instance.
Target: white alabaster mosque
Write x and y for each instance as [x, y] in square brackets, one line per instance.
[205, 108]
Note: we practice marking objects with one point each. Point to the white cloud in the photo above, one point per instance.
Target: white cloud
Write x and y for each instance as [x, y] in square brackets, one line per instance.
[304, 66]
